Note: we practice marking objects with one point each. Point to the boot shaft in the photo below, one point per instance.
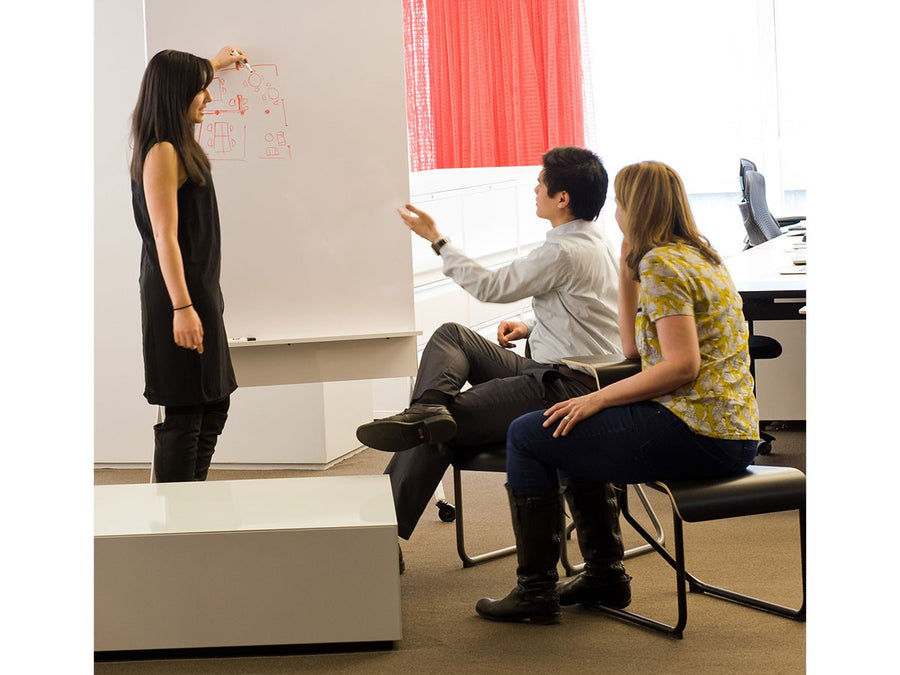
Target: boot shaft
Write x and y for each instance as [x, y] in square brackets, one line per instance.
[537, 522]
[595, 509]
[211, 427]
[175, 450]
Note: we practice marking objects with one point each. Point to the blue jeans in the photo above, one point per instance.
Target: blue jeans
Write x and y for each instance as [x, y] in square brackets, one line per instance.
[626, 444]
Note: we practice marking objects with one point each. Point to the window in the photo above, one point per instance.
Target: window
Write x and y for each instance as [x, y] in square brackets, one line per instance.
[492, 83]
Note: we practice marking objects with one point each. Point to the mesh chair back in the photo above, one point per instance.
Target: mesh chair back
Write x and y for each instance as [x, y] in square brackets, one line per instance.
[758, 220]
[746, 165]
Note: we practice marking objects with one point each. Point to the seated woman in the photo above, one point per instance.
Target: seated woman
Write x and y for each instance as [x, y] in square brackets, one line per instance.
[690, 412]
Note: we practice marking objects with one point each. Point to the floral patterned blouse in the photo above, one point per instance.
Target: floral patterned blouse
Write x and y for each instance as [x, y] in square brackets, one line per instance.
[677, 280]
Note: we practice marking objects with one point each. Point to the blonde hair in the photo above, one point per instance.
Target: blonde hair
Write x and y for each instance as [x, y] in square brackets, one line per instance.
[657, 211]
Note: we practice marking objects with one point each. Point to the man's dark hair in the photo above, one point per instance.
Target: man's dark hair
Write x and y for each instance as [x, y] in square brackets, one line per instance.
[580, 173]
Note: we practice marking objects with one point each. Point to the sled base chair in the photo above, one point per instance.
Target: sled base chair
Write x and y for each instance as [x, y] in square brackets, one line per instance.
[758, 490]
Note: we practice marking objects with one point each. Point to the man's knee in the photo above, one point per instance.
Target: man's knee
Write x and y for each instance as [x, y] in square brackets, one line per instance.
[450, 329]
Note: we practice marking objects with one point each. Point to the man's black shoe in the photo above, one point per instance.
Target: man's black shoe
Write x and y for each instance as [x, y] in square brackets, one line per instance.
[419, 423]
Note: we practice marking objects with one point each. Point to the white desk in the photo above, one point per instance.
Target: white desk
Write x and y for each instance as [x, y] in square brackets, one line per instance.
[774, 305]
[759, 274]
[245, 563]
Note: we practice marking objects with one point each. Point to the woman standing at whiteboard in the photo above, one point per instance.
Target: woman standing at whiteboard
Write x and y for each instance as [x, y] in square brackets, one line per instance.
[187, 367]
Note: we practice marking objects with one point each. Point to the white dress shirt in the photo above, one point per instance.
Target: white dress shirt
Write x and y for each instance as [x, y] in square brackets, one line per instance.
[573, 280]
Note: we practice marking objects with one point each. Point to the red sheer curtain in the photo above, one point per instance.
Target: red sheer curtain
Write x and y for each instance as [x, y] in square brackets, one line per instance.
[491, 83]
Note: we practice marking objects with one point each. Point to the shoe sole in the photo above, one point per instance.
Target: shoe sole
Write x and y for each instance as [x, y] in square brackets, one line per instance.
[393, 436]
[545, 620]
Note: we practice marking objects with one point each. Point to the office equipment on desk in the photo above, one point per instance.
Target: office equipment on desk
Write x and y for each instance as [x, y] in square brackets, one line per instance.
[767, 294]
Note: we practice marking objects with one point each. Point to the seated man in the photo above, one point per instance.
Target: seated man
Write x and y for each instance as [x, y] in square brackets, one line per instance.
[573, 279]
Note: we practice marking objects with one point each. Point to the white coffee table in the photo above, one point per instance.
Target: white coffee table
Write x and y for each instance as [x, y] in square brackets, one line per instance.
[245, 563]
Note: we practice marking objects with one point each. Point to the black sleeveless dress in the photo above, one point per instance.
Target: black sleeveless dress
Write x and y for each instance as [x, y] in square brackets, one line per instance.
[174, 375]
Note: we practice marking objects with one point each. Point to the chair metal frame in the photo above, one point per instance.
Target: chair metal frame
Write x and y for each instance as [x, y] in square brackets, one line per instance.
[497, 454]
[782, 497]
[607, 368]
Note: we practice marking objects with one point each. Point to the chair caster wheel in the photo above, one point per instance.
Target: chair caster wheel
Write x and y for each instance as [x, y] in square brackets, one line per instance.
[765, 447]
[446, 511]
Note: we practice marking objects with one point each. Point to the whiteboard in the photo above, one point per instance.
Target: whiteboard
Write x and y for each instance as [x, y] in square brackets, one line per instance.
[309, 158]
[312, 246]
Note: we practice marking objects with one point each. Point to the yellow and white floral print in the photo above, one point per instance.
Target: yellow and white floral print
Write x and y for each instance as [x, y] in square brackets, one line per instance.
[677, 280]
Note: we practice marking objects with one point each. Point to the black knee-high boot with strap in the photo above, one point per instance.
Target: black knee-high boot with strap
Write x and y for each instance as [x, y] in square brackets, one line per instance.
[211, 427]
[175, 452]
[537, 524]
[595, 509]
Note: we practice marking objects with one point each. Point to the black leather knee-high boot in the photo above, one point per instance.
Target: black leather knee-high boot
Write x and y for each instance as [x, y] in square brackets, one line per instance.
[595, 510]
[175, 452]
[210, 428]
[537, 521]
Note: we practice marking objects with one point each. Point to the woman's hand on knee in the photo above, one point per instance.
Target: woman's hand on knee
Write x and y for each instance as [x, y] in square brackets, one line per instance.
[567, 414]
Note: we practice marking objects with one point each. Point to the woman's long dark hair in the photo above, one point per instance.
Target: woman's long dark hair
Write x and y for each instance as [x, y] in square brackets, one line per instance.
[171, 81]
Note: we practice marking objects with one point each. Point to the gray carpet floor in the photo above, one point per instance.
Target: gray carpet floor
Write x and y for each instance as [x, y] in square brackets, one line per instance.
[442, 634]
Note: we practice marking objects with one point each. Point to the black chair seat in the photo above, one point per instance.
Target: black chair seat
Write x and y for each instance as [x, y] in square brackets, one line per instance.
[764, 347]
[481, 458]
[493, 458]
[761, 489]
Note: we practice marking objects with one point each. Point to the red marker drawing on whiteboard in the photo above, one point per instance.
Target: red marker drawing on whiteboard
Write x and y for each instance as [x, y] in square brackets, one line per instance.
[244, 63]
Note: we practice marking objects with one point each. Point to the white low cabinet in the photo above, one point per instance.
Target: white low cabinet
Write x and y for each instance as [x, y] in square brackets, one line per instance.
[245, 563]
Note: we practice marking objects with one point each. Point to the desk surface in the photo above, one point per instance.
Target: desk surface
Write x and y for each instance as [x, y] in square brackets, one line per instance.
[761, 269]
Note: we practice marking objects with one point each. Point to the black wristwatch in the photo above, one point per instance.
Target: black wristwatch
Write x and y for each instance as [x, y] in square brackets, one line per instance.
[439, 244]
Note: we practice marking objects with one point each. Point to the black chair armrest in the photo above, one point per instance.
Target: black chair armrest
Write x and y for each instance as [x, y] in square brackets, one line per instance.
[607, 368]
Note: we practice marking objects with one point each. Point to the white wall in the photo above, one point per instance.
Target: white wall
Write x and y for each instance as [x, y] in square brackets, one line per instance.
[118, 375]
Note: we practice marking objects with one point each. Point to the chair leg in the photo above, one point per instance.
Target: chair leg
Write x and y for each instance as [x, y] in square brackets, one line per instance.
[467, 559]
[677, 563]
[798, 614]
[685, 581]
[660, 538]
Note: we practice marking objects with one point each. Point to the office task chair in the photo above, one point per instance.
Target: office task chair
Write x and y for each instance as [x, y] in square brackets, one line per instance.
[762, 347]
[759, 490]
[606, 369]
[760, 226]
[759, 222]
